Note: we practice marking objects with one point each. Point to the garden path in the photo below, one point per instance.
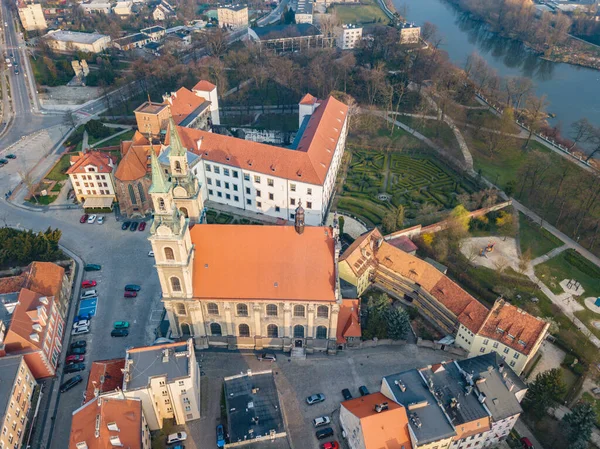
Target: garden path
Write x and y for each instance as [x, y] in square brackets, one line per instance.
[545, 257]
[95, 145]
[386, 174]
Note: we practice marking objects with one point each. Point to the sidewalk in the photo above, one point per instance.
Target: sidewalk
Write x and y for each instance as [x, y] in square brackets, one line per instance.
[524, 431]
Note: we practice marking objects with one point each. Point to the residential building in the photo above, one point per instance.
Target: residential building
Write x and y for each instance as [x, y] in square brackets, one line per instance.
[155, 33]
[16, 391]
[289, 38]
[303, 10]
[133, 177]
[109, 422]
[163, 10]
[233, 16]
[409, 33]
[166, 378]
[91, 176]
[96, 6]
[372, 260]
[348, 330]
[35, 332]
[137, 40]
[508, 330]
[272, 180]
[208, 91]
[105, 376]
[70, 41]
[348, 37]
[123, 8]
[32, 16]
[375, 422]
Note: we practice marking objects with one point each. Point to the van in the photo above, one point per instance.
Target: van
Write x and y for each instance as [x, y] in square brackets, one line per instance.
[89, 293]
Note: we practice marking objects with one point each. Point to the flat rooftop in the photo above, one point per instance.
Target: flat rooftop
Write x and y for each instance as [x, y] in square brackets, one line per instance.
[234, 7]
[253, 408]
[131, 39]
[149, 107]
[302, 7]
[9, 367]
[153, 29]
[286, 31]
[74, 36]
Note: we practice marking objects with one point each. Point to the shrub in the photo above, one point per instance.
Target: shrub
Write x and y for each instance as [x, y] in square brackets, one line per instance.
[583, 265]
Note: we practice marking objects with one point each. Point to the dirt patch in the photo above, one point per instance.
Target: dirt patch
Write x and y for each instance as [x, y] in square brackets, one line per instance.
[65, 95]
[504, 254]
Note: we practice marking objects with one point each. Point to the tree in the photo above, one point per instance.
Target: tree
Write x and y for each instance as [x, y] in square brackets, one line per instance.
[398, 323]
[580, 422]
[389, 222]
[458, 223]
[400, 216]
[554, 326]
[535, 114]
[524, 261]
[341, 222]
[544, 392]
[506, 223]
[288, 16]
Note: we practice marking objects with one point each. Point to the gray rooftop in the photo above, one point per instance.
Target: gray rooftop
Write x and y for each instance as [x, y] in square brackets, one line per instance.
[234, 7]
[131, 39]
[286, 31]
[163, 157]
[171, 362]
[497, 382]
[302, 7]
[153, 29]
[9, 367]
[253, 407]
[426, 419]
[74, 36]
[8, 302]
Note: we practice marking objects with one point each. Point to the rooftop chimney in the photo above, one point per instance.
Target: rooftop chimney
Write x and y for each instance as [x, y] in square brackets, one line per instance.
[381, 407]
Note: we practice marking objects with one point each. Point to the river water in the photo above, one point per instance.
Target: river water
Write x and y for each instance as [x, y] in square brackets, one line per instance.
[572, 92]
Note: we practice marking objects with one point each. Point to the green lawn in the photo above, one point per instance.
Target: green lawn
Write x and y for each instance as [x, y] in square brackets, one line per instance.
[116, 141]
[538, 239]
[570, 265]
[58, 171]
[42, 200]
[366, 12]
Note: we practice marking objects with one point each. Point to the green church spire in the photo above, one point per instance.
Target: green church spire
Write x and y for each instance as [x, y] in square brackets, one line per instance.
[159, 183]
[177, 148]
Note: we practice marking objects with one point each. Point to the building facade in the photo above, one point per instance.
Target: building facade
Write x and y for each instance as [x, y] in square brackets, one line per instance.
[32, 16]
[233, 16]
[16, 391]
[91, 176]
[348, 37]
[303, 11]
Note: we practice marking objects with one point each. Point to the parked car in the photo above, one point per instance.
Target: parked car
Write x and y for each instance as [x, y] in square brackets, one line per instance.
[268, 357]
[91, 219]
[83, 218]
[82, 323]
[75, 358]
[85, 316]
[81, 330]
[596, 391]
[119, 333]
[79, 350]
[78, 344]
[125, 225]
[88, 284]
[363, 390]
[347, 395]
[88, 293]
[324, 433]
[66, 386]
[150, 253]
[121, 325]
[133, 226]
[132, 288]
[315, 399]
[331, 445]
[176, 437]
[321, 421]
[526, 443]
[101, 220]
[3, 161]
[92, 267]
[130, 294]
[220, 436]
[142, 226]
[11, 156]
[75, 367]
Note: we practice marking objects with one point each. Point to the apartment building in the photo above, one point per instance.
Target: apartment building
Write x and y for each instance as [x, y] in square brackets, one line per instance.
[303, 11]
[348, 37]
[109, 422]
[32, 16]
[233, 16]
[91, 176]
[123, 8]
[16, 391]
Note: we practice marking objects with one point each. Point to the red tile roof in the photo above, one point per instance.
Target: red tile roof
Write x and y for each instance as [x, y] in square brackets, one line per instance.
[135, 162]
[403, 243]
[308, 163]
[18, 338]
[360, 254]
[469, 312]
[103, 162]
[308, 99]
[263, 262]
[45, 278]
[105, 375]
[204, 86]
[348, 320]
[126, 414]
[183, 103]
[12, 284]
[513, 327]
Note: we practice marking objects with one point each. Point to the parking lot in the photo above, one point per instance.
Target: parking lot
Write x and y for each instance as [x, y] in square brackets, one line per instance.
[298, 379]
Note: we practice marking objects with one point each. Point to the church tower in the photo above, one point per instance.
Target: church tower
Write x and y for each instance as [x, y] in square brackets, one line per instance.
[172, 245]
[186, 189]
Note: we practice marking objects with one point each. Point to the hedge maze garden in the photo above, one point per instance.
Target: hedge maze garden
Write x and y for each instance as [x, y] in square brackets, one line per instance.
[377, 182]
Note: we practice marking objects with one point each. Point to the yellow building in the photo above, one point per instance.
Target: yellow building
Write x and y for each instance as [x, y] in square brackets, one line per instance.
[16, 391]
[32, 16]
[233, 16]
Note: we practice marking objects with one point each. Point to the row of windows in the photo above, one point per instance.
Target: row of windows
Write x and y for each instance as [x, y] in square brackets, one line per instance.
[218, 183]
[272, 331]
[227, 196]
[93, 192]
[217, 170]
[495, 345]
[271, 310]
[132, 193]
[89, 177]
[88, 184]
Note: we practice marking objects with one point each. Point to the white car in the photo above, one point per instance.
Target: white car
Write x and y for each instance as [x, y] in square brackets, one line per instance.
[176, 437]
[81, 323]
[80, 330]
[91, 219]
[150, 253]
[321, 421]
[101, 220]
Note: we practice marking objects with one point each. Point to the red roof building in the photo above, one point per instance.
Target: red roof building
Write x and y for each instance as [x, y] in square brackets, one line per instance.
[105, 376]
[91, 175]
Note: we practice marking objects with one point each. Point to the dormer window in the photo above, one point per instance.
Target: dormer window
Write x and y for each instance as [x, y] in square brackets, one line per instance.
[522, 343]
[500, 331]
[511, 337]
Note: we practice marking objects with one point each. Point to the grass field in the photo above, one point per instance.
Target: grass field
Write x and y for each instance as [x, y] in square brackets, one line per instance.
[366, 12]
[115, 141]
[538, 239]
[570, 265]
[58, 171]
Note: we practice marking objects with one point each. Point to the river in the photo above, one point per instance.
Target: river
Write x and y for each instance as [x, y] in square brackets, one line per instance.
[572, 92]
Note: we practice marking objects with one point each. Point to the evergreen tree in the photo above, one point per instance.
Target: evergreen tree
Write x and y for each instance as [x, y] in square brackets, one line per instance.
[580, 422]
[547, 388]
[398, 323]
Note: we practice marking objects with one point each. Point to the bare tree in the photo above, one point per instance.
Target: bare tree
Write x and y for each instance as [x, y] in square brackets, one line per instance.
[535, 114]
[29, 183]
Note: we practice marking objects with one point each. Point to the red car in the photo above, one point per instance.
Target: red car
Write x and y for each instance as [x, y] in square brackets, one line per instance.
[88, 284]
[130, 295]
[331, 445]
[142, 226]
[83, 218]
[75, 358]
